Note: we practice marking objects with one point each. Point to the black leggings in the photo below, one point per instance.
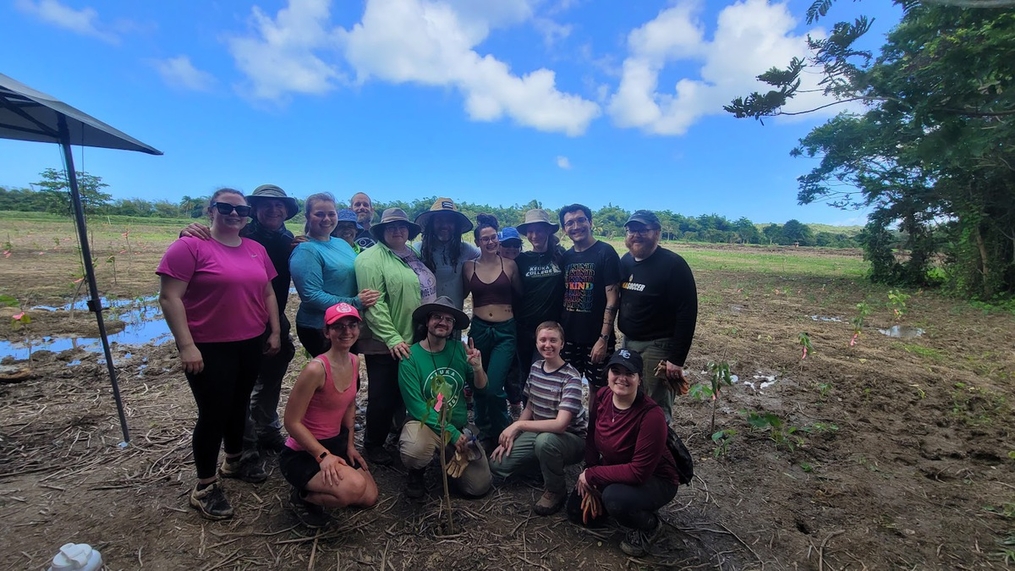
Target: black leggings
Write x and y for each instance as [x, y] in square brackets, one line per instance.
[633, 506]
[222, 392]
[312, 339]
[385, 407]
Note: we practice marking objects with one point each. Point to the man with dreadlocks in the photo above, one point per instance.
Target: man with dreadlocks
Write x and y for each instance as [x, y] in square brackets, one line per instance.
[442, 249]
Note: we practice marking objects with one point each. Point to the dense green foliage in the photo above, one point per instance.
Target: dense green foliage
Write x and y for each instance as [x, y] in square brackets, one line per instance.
[609, 220]
[931, 155]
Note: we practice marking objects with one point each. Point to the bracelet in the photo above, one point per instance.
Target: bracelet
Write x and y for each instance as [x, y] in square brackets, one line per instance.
[320, 458]
[604, 337]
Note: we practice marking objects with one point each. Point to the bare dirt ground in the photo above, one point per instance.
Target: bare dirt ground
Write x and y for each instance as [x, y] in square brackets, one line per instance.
[890, 454]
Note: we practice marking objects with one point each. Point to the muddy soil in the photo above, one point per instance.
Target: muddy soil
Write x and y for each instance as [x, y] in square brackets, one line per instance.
[893, 453]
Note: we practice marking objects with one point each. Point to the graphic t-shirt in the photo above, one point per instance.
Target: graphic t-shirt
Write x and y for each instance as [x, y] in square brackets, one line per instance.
[418, 375]
[427, 280]
[586, 275]
[542, 286]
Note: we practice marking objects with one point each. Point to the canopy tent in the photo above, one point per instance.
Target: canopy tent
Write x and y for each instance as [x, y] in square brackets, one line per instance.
[29, 115]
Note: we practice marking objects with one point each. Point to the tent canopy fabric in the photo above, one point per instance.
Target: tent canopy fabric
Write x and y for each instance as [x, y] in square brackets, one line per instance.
[30, 115]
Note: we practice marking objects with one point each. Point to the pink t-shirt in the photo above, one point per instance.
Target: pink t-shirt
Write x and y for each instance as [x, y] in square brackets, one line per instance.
[225, 287]
[327, 407]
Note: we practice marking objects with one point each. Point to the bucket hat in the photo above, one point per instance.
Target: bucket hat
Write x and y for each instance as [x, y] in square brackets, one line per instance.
[390, 216]
[445, 205]
[536, 216]
[266, 191]
[443, 304]
[347, 215]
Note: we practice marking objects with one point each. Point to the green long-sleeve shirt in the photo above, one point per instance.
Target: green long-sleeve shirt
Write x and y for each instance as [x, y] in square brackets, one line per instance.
[390, 319]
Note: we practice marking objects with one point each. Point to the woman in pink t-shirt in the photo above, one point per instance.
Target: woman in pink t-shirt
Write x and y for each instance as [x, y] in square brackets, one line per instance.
[218, 301]
[320, 459]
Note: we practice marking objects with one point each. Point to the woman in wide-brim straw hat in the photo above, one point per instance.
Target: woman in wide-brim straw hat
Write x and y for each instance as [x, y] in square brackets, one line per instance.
[542, 281]
[442, 249]
[394, 269]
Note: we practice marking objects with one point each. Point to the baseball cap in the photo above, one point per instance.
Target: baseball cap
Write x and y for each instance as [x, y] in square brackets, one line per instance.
[627, 359]
[646, 217]
[338, 311]
[507, 234]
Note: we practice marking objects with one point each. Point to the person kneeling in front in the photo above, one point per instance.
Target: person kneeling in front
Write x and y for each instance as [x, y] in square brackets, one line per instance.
[432, 381]
[550, 433]
[630, 473]
[320, 459]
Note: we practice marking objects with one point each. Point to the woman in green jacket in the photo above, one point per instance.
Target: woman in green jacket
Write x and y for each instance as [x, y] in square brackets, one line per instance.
[394, 269]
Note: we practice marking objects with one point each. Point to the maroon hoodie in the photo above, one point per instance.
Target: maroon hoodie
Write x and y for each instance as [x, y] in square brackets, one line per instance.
[627, 446]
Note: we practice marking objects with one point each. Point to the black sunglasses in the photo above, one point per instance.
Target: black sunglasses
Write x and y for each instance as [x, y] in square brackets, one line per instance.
[226, 208]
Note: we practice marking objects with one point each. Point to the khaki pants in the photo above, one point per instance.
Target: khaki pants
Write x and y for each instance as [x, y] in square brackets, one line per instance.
[418, 446]
[545, 451]
[655, 386]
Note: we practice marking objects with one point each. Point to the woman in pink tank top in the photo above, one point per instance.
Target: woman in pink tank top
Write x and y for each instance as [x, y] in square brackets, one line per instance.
[320, 459]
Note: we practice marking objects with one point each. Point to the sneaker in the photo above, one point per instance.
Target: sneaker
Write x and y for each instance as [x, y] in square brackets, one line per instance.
[415, 485]
[246, 470]
[211, 501]
[637, 542]
[310, 515]
[272, 442]
[378, 456]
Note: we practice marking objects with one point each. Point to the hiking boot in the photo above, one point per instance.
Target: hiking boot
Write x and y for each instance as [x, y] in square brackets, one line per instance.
[638, 542]
[378, 456]
[211, 501]
[310, 515]
[415, 485]
[550, 503]
[246, 470]
[271, 442]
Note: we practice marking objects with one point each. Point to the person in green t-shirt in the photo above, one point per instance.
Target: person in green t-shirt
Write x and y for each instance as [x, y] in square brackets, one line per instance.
[434, 361]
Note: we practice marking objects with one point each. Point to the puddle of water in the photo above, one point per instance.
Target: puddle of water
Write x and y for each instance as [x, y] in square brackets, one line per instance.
[902, 331]
[142, 317]
[826, 318]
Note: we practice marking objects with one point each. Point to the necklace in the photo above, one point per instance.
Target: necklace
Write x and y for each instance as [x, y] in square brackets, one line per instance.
[617, 411]
[429, 349]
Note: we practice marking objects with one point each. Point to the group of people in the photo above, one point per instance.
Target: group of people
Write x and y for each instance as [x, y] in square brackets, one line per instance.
[542, 320]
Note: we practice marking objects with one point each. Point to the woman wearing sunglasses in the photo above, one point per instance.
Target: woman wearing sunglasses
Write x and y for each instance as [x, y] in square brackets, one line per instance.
[323, 273]
[219, 304]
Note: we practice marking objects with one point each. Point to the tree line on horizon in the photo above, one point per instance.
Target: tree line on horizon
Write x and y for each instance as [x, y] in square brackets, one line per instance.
[51, 195]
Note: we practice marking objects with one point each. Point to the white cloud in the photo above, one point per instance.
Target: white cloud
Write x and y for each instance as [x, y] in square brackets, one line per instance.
[84, 21]
[179, 73]
[751, 36]
[564, 163]
[433, 43]
[283, 55]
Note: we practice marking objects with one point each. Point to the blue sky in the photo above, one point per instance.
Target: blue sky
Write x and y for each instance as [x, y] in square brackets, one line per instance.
[496, 102]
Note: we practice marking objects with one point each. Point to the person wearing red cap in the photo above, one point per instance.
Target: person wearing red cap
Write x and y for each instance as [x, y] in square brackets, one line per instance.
[320, 459]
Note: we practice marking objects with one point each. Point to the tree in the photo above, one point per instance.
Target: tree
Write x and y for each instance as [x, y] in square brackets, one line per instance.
[931, 155]
[56, 187]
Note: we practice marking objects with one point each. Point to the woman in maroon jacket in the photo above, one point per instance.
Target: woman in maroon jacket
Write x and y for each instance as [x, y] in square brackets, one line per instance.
[630, 473]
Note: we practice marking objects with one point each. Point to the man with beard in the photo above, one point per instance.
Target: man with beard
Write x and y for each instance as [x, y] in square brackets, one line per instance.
[658, 308]
[442, 249]
[591, 274]
[364, 209]
[432, 380]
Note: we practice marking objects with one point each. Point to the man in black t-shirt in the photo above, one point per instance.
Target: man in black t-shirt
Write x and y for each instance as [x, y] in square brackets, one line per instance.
[658, 308]
[591, 296]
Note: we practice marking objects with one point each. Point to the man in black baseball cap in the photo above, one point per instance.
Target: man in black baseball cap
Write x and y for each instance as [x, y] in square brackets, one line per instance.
[658, 308]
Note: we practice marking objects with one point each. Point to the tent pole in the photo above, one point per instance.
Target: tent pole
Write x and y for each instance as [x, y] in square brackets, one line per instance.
[94, 305]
